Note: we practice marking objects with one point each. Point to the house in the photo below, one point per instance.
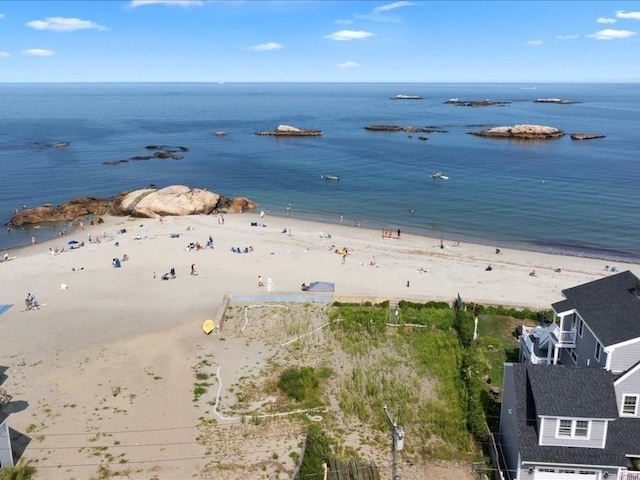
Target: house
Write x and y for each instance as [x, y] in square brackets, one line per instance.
[6, 454]
[565, 422]
[597, 325]
[571, 408]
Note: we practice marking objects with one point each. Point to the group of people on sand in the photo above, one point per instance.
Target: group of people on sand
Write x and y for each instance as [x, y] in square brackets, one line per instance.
[30, 302]
[389, 233]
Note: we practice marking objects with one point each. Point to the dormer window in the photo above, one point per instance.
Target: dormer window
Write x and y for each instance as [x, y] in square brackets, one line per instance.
[630, 405]
[573, 429]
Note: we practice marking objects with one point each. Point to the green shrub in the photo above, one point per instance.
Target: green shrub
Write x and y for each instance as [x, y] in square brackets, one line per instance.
[317, 452]
[302, 384]
[19, 472]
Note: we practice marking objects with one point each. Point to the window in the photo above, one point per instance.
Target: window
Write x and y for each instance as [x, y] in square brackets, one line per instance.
[629, 405]
[582, 429]
[580, 326]
[573, 355]
[598, 350]
[565, 428]
[573, 429]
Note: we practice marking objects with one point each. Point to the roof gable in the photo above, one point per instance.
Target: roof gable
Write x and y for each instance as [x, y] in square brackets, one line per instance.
[567, 391]
[610, 306]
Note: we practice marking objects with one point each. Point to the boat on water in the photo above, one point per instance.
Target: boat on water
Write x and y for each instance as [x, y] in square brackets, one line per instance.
[330, 177]
[439, 176]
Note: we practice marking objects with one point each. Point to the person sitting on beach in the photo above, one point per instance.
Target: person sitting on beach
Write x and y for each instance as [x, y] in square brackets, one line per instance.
[304, 287]
[489, 268]
[532, 273]
[125, 257]
[498, 251]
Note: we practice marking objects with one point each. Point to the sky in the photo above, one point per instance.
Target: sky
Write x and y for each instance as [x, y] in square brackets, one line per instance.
[319, 41]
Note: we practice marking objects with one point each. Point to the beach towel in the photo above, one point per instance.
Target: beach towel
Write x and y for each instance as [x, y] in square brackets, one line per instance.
[5, 307]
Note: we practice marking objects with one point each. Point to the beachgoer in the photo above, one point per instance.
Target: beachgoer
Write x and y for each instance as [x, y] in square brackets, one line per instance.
[441, 242]
[288, 210]
[173, 272]
[261, 213]
[341, 218]
[398, 233]
[498, 251]
[532, 273]
[193, 269]
[304, 287]
[489, 268]
[260, 281]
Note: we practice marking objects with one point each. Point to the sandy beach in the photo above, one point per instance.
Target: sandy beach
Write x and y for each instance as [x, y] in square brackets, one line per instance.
[103, 371]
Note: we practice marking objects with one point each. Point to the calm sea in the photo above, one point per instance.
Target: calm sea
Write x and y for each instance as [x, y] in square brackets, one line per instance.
[575, 197]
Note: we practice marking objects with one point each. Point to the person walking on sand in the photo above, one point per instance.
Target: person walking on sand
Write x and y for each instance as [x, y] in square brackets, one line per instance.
[193, 269]
[260, 281]
[288, 209]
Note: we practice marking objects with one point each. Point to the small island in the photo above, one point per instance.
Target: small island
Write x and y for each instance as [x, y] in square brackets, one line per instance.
[558, 101]
[526, 132]
[406, 97]
[397, 128]
[289, 131]
[586, 136]
[476, 103]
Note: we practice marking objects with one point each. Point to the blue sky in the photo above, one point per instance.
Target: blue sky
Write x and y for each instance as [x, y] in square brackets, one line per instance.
[319, 41]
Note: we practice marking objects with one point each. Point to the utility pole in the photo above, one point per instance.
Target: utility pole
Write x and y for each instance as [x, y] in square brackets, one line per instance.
[397, 444]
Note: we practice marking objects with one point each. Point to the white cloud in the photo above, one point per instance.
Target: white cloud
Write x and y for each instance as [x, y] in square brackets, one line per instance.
[606, 20]
[568, 37]
[392, 6]
[628, 15]
[265, 47]
[1, 16]
[180, 3]
[38, 52]
[348, 64]
[4, 54]
[534, 43]
[62, 24]
[610, 34]
[347, 35]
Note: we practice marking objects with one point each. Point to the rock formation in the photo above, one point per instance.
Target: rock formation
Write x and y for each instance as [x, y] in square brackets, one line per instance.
[147, 202]
[289, 131]
[558, 101]
[586, 136]
[396, 128]
[66, 212]
[476, 103]
[529, 132]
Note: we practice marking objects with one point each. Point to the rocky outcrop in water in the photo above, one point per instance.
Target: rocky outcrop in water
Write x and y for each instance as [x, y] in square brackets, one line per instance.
[476, 103]
[162, 152]
[528, 132]
[557, 101]
[396, 128]
[175, 200]
[586, 136]
[289, 131]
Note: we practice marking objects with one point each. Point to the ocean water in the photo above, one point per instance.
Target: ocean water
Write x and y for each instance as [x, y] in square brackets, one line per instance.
[565, 196]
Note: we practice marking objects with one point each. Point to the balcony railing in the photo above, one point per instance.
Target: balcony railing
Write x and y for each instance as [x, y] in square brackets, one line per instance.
[627, 475]
[564, 338]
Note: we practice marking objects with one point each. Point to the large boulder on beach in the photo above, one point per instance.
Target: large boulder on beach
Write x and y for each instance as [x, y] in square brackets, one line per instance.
[174, 200]
[529, 132]
[148, 202]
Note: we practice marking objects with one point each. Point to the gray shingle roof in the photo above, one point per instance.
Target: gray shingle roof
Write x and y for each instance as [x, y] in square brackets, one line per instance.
[538, 388]
[610, 307]
[565, 391]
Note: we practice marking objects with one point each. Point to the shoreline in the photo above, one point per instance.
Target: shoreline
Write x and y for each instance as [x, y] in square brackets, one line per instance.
[330, 219]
